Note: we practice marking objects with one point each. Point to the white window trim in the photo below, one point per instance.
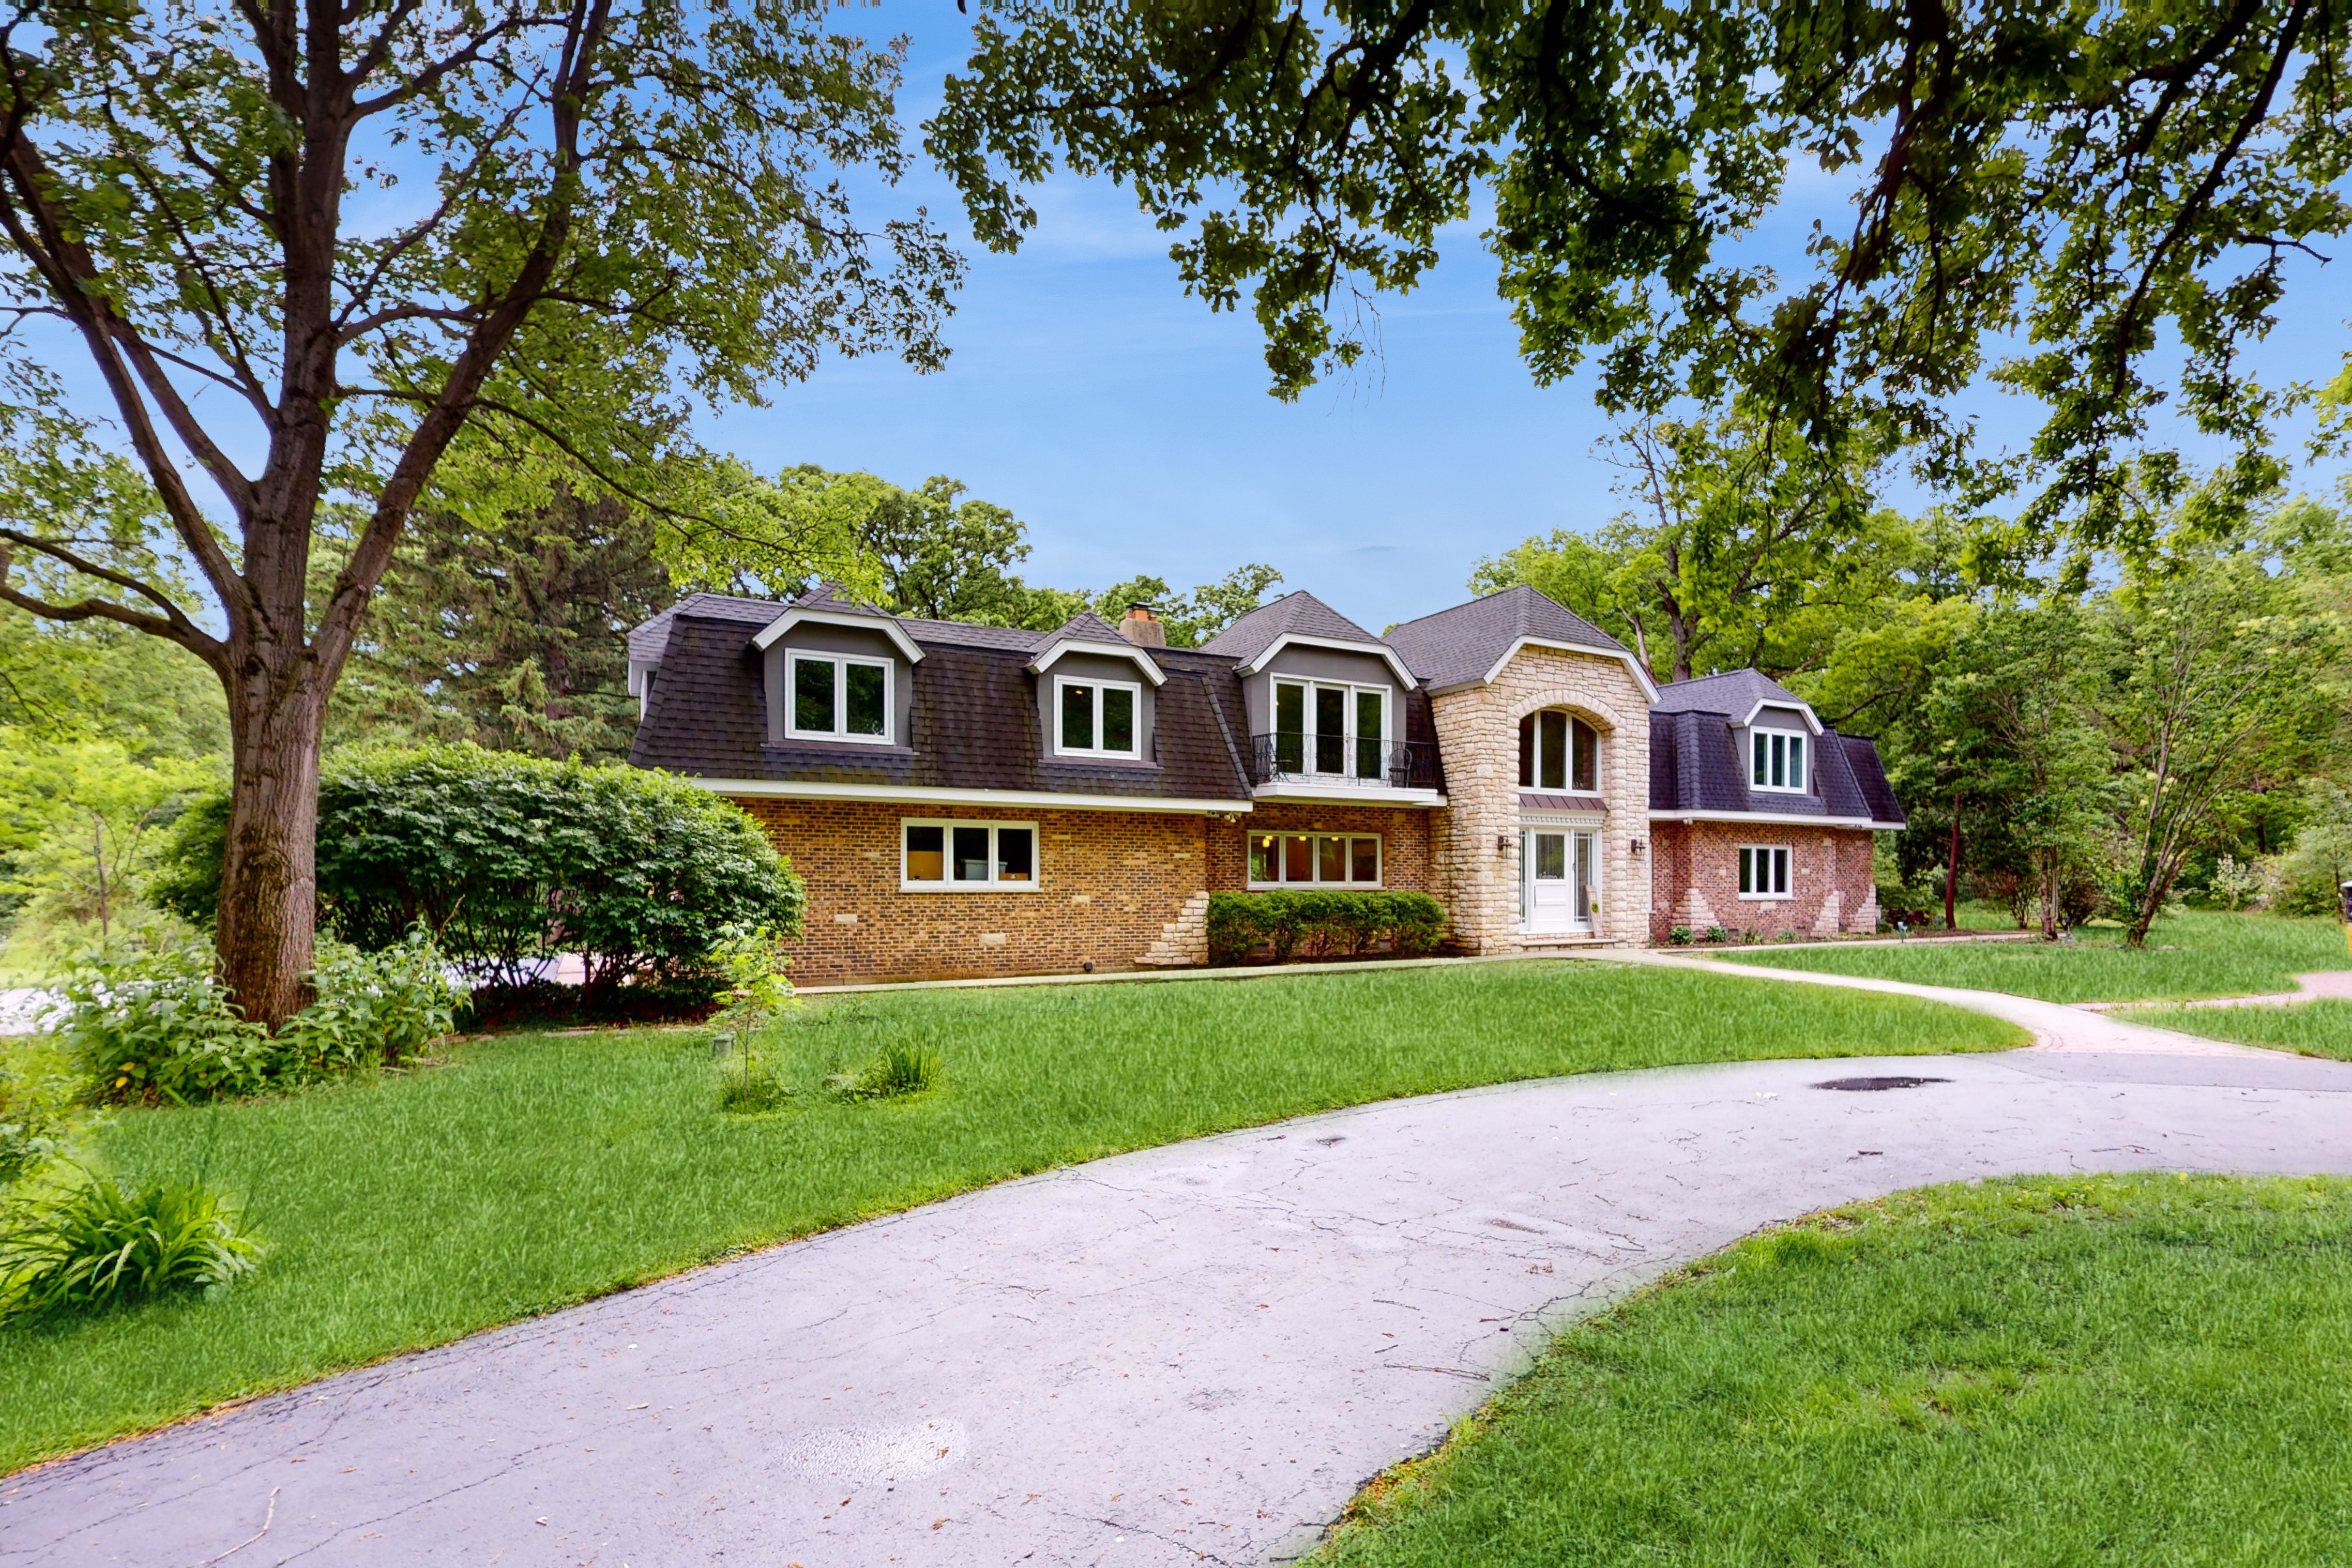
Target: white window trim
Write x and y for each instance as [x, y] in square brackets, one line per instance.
[840, 663]
[1037, 856]
[1798, 736]
[1379, 855]
[1770, 897]
[1307, 683]
[1133, 688]
[1567, 771]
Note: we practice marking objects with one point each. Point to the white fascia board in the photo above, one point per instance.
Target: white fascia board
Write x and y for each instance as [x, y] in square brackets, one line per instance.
[1804, 710]
[1781, 819]
[638, 670]
[766, 636]
[1349, 794]
[1142, 660]
[1641, 676]
[1299, 640]
[918, 795]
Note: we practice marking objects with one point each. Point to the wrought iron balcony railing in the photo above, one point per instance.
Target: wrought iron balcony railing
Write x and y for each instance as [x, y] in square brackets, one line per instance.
[1343, 760]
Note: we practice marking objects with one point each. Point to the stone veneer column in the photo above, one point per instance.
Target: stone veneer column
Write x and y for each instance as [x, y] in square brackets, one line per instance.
[1478, 735]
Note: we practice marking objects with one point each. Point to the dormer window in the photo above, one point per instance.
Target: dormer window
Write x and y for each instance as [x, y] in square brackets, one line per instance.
[1097, 718]
[835, 697]
[1559, 750]
[1775, 761]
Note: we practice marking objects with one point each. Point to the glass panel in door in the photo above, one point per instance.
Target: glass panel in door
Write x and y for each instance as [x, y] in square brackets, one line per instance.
[1289, 727]
[1581, 875]
[1369, 750]
[1330, 729]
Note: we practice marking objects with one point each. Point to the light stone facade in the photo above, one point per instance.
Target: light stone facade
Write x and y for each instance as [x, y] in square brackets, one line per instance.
[1476, 841]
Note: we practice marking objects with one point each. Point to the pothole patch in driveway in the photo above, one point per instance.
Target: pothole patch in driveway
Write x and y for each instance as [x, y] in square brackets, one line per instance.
[1867, 1085]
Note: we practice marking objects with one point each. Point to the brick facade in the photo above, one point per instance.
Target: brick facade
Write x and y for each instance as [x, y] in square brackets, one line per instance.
[1831, 881]
[1478, 734]
[1108, 884]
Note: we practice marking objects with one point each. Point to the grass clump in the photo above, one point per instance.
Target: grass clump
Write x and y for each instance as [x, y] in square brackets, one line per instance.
[900, 1072]
[77, 1241]
[403, 1211]
[2137, 1369]
[2190, 955]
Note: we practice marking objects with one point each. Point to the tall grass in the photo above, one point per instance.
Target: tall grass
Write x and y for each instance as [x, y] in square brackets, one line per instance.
[536, 1171]
[2314, 1028]
[2190, 956]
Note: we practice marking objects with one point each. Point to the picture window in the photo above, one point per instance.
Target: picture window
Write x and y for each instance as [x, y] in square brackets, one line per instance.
[1559, 750]
[1314, 860]
[970, 857]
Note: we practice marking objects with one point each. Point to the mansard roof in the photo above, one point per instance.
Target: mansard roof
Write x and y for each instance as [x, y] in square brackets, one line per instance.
[1735, 693]
[1466, 644]
[1694, 766]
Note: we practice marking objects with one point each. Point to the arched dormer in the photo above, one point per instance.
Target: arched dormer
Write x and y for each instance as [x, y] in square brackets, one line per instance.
[1561, 751]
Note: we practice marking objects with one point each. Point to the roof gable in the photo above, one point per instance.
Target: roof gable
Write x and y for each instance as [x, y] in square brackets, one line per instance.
[1469, 644]
[1299, 614]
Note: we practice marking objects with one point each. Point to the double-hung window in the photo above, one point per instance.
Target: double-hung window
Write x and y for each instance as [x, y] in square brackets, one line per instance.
[1290, 860]
[1559, 751]
[1097, 718]
[1776, 760]
[944, 856]
[1331, 729]
[832, 696]
[1763, 870]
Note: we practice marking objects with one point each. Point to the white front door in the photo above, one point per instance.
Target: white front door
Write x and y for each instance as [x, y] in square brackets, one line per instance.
[1557, 892]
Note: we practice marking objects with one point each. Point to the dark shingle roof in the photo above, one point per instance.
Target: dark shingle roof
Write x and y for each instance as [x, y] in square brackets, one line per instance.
[645, 640]
[1733, 694]
[1694, 766]
[1301, 614]
[974, 722]
[1457, 646]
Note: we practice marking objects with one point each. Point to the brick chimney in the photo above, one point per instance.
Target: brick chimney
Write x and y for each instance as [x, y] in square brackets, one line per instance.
[1142, 628]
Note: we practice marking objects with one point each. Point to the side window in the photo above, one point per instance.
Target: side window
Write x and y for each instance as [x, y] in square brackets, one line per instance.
[831, 697]
[1763, 870]
[1559, 750]
[967, 857]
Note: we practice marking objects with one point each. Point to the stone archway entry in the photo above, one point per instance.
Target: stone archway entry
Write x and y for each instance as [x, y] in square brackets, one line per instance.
[1558, 880]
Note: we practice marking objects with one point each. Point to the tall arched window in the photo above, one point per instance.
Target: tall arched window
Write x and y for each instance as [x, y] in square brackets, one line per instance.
[1559, 750]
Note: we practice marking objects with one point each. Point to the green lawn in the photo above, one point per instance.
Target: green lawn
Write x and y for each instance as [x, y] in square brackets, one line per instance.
[2141, 1370]
[2194, 955]
[2315, 1028]
[534, 1171]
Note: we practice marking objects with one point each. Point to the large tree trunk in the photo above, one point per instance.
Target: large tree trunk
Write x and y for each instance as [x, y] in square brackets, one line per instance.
[270, 890]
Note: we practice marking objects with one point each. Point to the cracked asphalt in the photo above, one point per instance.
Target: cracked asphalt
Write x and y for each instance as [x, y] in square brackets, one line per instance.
[1192, 1354]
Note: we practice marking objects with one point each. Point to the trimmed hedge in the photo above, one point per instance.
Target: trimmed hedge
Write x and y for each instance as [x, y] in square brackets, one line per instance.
[1312, 925]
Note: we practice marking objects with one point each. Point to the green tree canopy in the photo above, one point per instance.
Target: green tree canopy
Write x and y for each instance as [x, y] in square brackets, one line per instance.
[2096, 182]
[341, 239]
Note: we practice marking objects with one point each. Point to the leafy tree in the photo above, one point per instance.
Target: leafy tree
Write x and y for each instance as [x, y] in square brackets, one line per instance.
[2203, 683]
[622, 208]
[507, 626]
[2092, 182]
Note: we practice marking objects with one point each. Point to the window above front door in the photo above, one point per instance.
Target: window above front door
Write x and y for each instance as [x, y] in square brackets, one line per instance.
[1559, 750]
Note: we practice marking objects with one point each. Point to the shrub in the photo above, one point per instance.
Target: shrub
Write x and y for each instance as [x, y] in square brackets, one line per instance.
[1321, 922]
[2303, 880]
[1717, 934]
[1680, 937]
[87, 1241]
[157, 1026]
[750, 1086]
[508, 858]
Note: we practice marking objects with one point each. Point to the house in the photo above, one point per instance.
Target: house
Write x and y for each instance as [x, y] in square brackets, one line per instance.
[976, 799]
